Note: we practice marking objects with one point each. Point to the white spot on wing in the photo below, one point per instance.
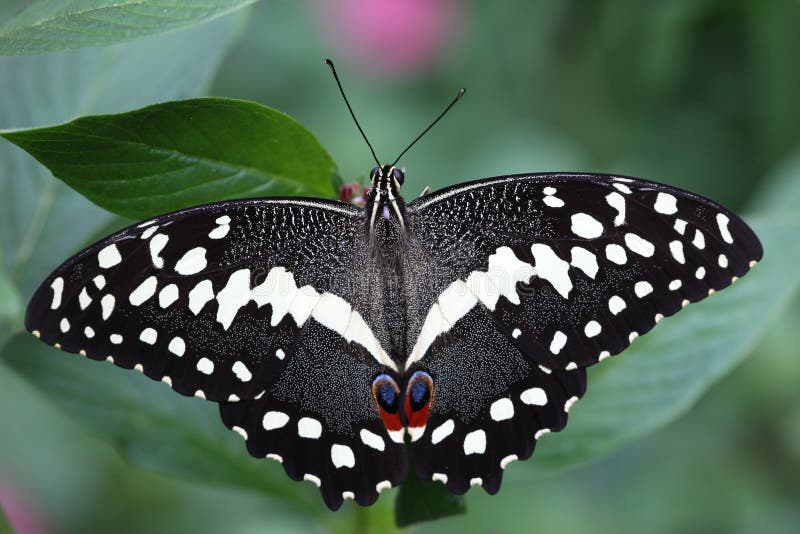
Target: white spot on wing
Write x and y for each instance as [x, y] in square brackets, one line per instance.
[88, 332]
[554, 202]
[552, 268]
[192, 262]
[233, 296]
[558, 342]
[666, 204]
[108, 257]
[722, 261]
[675, 285]
[699, 240]
[205, 366]
[144, 291]
[617, 201]
[622, 187]
[501, 409]
[586, 226]
[342, 456]
[584, 260]
[642, 289]
[313, 479]
[242, 372]
[222, 230]
[676, 248]
[439, 477]
[177, 346]
[442, 431]
[84, 299]
[274, 419]
[592, 329]
[58, 290]
[64, 325]
[107, 305]
[309, 428]
[475, 442]
[149, 336]
[99, 281]
[167, 295]
[507, 460]
[680, 226]
[639, 245]
[516, 333]
[534, 397]
[722, 223]
[616, 304]
[200, 295]
[157, 244]
[116, 339]
[370, 439]
[616, 254]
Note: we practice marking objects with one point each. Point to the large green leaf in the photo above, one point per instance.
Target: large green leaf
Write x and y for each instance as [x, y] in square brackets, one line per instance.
[50, 25]
[664, 373]
[180, 154]
[35, 209]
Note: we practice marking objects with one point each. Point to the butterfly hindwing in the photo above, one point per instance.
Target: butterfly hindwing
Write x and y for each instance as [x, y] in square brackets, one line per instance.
[491, 404]
[320, 421]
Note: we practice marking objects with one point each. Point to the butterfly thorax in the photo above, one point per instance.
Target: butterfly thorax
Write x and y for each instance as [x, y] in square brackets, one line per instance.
[387, 241]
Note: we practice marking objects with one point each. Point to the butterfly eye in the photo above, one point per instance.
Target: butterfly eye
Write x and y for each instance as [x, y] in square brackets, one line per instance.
[398, 175]
[418, 401]
[373, 174]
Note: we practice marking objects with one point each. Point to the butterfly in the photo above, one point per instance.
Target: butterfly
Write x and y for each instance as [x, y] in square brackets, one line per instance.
[458, 325]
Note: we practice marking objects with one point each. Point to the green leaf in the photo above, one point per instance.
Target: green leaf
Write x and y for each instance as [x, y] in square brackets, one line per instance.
[422, 500]
[34, 208]
[151, 425]
[5, 526]
[178, 154]
[50, 25]
[665, 372]
[10, 307]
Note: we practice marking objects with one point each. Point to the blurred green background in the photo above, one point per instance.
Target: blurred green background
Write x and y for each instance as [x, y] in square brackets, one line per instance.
[702, 94]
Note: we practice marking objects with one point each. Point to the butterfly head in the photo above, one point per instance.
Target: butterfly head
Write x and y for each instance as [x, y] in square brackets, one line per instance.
[384, 197]
[387, 176]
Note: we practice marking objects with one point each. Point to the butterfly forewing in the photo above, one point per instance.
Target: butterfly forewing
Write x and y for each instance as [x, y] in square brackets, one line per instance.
[536, 277]
[199, 298]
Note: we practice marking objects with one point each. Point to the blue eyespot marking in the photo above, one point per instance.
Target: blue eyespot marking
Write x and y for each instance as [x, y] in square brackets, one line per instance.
[385, 388]
[420, 386]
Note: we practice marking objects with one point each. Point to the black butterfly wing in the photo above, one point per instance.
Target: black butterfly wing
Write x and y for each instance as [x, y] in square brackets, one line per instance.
[491, 404]
[323, 427]
[558, 271]
[244, 303]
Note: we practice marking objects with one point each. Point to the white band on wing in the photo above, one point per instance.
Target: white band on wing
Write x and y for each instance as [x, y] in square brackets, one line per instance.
[281, 292]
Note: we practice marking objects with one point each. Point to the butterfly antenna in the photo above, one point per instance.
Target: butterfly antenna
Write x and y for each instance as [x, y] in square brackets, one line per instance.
[453, 103]
[329, 63]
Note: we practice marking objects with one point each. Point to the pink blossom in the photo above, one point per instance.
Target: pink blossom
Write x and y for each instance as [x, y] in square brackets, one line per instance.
[19, 510]
[396, 37]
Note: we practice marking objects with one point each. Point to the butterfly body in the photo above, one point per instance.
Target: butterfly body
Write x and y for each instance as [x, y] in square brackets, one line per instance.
[460, 324]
